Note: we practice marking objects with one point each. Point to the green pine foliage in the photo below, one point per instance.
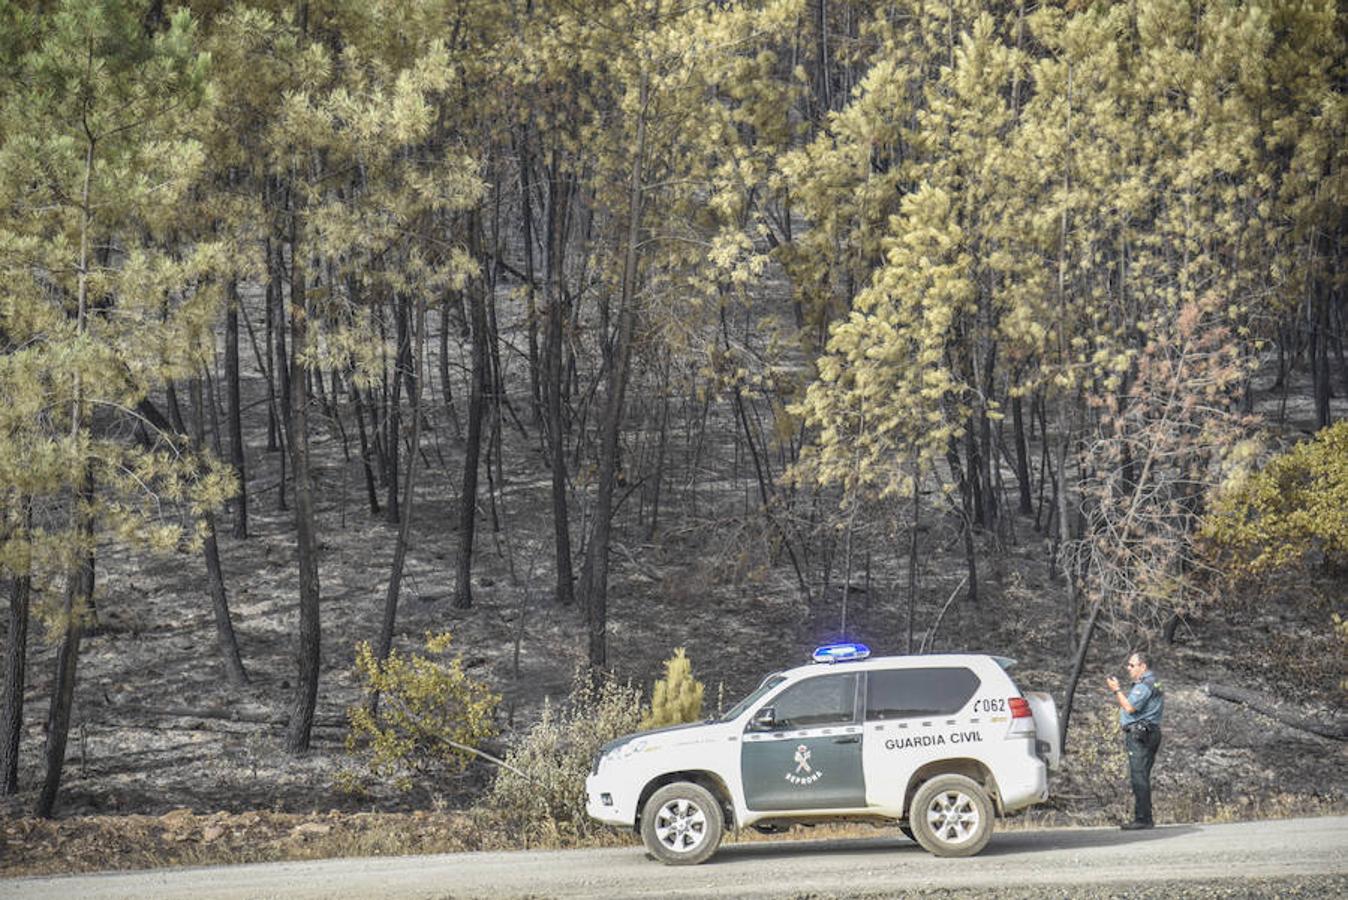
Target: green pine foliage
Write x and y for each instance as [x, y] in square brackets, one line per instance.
[430, 717]
[1291, 514]
[676, 698]
[1049, 203]
[100, 304]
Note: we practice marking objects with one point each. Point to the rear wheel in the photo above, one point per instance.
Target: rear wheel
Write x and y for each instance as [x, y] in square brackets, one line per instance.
[681, 824]
[951, 816]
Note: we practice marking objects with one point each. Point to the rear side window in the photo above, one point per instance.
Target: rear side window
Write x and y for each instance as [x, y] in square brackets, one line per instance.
[904, 693]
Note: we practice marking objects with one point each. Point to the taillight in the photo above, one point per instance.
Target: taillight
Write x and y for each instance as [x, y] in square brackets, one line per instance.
[1020, 708]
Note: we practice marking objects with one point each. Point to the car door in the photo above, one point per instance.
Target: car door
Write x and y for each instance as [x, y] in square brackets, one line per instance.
[911, 720]
[809, 755]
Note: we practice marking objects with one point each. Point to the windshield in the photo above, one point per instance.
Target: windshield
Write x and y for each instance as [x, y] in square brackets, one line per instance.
[768, 684]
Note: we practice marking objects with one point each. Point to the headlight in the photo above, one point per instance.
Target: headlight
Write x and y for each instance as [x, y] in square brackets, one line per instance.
[624, 750]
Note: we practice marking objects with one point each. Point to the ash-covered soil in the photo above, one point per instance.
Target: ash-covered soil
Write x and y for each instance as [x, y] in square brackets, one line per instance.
[156, 727]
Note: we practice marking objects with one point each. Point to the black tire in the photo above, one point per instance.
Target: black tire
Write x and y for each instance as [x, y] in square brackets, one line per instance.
[682, 824]
[951, 816]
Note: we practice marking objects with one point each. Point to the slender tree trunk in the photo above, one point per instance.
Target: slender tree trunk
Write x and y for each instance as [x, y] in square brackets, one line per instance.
[824, 84]
[661, 452]
[215, 578]
[308, 638]
[1320, 358]
[79, 590]
[235, 410]
[596, 598]
[912, 554]
[16, 663]
[1022, 458]
[1064, 420]
[443, 362]
[558, 201]
[530, 297]
[366, 451]
[175, 409]
[1078, 664]
[463, 596]
[966, 490]
[275, 397]
[1064, 522]
[409, 485]
[401, 360]
[282, 366]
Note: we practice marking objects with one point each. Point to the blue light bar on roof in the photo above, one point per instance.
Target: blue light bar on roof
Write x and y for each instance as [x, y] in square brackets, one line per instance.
[831, 653]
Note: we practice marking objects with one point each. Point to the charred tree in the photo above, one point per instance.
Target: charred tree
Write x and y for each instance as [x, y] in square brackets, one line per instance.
[472, 453]
[235, 412]
[307, 645]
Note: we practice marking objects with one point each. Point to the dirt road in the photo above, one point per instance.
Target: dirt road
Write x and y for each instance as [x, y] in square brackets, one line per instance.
[1306, 856]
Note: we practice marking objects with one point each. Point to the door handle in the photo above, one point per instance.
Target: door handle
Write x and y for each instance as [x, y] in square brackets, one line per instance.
[848, 739]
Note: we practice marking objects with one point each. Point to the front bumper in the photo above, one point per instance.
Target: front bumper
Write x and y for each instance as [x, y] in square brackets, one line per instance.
[607, 803]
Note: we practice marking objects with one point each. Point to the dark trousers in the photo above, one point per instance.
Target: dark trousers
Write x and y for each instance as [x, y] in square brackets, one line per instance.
[1142, 743]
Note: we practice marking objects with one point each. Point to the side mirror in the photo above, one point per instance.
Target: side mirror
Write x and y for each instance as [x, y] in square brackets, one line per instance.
[765, 719]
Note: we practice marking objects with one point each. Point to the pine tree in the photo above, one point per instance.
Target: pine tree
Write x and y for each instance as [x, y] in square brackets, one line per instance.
[96, 310]
[676, 698]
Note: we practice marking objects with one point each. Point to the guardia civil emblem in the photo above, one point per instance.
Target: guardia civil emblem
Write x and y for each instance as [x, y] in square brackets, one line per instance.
[804, 773]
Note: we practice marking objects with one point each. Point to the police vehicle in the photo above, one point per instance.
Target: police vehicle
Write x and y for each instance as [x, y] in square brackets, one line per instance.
[940, 744]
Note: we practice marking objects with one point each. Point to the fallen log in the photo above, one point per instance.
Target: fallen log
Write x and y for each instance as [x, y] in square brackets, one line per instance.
[1265, 706]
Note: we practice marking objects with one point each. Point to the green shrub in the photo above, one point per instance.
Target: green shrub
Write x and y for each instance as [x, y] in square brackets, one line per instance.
[676, 698]
[547, 802]
[430, 714]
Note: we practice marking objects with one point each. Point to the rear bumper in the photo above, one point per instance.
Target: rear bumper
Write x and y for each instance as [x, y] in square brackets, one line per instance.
[1025, 786]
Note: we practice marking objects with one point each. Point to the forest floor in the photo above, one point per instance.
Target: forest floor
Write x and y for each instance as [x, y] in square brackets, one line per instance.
[164, 767]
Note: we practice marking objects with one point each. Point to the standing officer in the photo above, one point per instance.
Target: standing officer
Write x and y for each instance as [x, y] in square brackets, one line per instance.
[1140, 715]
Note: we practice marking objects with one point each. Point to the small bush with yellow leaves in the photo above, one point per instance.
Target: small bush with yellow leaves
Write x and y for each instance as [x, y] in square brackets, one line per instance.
[676, 698]
[546, 803]
[431, 714]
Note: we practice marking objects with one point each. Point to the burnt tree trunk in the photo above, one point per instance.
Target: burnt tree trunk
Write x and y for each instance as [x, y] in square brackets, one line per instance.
[1078, 664]
[281, 364]
[16, 662]
[74, 608]
[559, 193]
[400, 362]
[596, 595]
[226, 640]
[236, 455]
[531, 300]
[366, 451]
[405, 528]
[463, 594]
[308, 638]
[1022, 457]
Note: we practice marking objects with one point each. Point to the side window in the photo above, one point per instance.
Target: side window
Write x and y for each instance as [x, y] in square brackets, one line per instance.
[903, 693]
[828, 700]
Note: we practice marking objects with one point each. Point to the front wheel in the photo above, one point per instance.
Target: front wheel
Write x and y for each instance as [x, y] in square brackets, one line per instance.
[951, 816]
[681, 824]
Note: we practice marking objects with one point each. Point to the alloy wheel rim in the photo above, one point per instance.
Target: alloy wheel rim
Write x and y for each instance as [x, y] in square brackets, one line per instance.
[953, 817]
[681, 825]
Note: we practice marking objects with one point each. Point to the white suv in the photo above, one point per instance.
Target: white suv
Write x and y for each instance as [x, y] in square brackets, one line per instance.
[941, 744]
